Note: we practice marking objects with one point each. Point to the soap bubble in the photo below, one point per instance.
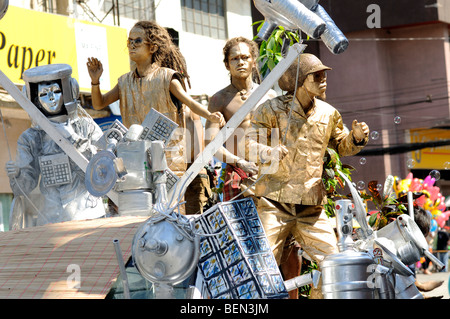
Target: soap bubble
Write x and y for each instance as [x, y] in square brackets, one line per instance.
[374, 135]
[447, 165]
[397, 120]
[379, 187]
[362, 161]
[435, 174]
[361, 185]
[410, 163]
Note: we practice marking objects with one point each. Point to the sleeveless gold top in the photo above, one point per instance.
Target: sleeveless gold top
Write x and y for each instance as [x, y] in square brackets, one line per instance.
[138, 95]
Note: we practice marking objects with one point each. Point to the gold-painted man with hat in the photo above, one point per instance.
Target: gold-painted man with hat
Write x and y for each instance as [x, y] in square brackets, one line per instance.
[289, 136]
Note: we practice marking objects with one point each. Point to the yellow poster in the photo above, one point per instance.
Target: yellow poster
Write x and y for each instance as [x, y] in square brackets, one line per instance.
[30, 38]
[434, 157]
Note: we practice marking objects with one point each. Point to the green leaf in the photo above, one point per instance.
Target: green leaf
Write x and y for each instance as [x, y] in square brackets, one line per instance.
[260, 22]
[277, 34]
[278, 57]
[271, 43]
[373, 219]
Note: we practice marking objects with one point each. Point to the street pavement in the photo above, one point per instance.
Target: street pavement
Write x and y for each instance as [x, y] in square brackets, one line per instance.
[443, 290]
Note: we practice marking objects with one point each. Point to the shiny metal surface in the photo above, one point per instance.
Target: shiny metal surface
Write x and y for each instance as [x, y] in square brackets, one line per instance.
[290, 14]
[310, 4]
[345, 276]
[101, 175]
[344, 223]
[332, 37]
[52, 72]
[135, 203]
[137, 162]
[405, 288]
[303, 280]
[383, 283]
[3, 7]
[408, 239]
[365, 232]
[397, 264]
[123, 273]
[165, 248]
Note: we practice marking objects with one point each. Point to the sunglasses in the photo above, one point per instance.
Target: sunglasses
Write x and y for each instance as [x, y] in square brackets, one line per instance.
[135, 42]
[318, 76]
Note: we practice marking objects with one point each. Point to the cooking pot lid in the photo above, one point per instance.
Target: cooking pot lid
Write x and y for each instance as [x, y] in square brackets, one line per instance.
[101, 175]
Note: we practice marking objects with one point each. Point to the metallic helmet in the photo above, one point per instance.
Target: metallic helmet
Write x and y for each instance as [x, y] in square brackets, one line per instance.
[309, 64]
[3, 7]
[59, 73]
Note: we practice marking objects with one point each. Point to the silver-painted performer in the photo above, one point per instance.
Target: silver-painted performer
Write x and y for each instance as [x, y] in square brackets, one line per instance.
[40, 160]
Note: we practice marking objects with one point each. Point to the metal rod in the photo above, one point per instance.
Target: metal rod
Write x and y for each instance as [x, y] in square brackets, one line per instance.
[434, 259]
[123, 273]
[303, 280]
[410, 205]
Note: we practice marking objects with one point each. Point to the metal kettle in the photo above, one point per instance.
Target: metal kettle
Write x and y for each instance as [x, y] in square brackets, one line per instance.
[346, 275]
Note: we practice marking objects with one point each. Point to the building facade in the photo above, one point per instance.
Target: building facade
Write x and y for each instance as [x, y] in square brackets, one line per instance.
[395, 76]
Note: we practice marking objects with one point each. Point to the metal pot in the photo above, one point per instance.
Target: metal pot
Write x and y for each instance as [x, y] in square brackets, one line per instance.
[165, 248]
[346, 275]
[408, 240]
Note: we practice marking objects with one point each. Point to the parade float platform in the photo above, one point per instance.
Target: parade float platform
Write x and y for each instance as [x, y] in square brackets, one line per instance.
[69, 260]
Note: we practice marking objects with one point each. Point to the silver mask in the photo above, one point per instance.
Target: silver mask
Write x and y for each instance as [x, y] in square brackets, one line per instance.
[50, 97]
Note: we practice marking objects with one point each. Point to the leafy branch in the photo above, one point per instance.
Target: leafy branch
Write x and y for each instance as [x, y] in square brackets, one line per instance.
[332, 180]
[271, 51]
[387, 207]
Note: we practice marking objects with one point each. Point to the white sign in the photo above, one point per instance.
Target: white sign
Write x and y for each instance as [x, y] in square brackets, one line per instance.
[91, 42]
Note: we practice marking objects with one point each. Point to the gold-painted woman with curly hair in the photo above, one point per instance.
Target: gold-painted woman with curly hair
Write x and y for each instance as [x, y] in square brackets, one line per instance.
[157, 81]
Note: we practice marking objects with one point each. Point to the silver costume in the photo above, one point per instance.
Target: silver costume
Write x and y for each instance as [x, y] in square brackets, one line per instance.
[40, 160]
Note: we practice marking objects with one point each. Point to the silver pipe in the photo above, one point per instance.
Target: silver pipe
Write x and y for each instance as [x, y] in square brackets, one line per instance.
[332, 37]
[290, 14]
[410, 205]
[434, 260]
[303, 280]
[123, 273]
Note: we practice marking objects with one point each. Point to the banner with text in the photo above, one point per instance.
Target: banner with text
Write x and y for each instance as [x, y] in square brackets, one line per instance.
[30, 38]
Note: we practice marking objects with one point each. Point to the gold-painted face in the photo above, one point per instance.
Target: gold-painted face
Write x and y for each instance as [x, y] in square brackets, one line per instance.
[50, 97]
[316, 83]
[139, 49]
[240, 61]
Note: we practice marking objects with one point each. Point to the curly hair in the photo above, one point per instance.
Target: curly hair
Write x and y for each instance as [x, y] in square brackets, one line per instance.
[168, 54]
[254, 51]
[422, 219]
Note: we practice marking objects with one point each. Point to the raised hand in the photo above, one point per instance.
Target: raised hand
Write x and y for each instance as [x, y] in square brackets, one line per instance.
[95, 69]
[360, 130]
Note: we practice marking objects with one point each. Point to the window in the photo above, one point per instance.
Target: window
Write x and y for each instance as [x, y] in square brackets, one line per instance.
[205, 17]
[47, 6]
[133, 9]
